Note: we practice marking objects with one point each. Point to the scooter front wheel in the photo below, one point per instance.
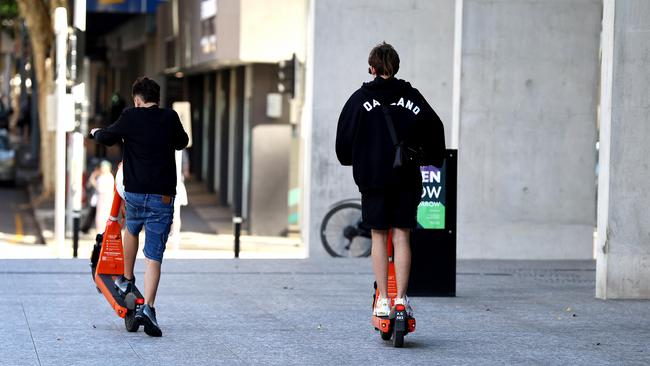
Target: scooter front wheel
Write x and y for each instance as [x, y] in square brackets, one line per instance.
[130, 323]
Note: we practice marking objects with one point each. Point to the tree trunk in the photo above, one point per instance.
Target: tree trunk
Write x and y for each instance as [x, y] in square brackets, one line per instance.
[38, 17]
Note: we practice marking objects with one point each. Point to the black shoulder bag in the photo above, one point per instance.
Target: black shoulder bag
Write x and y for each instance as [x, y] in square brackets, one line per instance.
[404, 155]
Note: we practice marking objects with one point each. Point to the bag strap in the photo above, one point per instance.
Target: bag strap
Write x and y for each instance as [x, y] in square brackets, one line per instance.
[390, 125]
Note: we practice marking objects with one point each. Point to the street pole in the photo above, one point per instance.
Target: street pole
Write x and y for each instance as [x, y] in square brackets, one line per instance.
[78, 154]
[61, 31]
[76, 178]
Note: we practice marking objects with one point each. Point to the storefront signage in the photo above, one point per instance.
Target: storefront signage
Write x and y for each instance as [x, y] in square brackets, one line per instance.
[431, 211]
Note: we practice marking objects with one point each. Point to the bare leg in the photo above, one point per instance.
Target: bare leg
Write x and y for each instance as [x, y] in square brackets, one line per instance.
[380, 260]
[130, 252]
[151, 279]
[402, 245]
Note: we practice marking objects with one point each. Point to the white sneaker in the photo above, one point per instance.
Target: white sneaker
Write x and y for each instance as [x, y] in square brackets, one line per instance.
[407, 304]
[382, 307]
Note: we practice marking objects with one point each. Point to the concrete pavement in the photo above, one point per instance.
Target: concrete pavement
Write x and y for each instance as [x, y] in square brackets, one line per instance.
[313, 312]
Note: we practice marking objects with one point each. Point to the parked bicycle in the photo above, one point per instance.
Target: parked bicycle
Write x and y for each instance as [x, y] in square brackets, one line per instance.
[342, 231]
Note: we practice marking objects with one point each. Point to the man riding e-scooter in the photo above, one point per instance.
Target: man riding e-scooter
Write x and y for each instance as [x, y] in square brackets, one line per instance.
[386, 131]
[150, 135]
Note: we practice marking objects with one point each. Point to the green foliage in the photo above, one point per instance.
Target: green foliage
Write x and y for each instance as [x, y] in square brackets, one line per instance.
[8, 9]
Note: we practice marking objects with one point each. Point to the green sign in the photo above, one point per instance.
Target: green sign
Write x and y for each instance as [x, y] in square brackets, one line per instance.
[431, 211]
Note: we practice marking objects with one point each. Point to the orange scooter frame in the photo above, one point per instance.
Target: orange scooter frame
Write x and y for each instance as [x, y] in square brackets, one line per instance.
[107, 263]
[398, 323]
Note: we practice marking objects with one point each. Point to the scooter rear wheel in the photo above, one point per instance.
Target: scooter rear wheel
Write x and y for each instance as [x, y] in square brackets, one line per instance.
[386, 335]
[130, 323]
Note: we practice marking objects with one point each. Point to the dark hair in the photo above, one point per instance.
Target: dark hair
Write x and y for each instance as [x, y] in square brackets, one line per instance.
[147, 89]
[384, 59]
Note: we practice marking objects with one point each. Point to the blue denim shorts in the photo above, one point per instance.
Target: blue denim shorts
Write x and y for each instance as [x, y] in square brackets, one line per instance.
[150, 211]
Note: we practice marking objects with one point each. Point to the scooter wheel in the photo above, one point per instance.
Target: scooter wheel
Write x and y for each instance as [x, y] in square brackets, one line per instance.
[398, 338]
[130, 323]
[386, 335]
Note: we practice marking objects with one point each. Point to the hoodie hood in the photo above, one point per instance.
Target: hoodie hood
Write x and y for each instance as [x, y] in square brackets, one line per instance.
[384, 89]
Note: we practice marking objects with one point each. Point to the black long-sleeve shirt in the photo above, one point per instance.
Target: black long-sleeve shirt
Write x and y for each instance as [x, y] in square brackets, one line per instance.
[150, 137]
[363, 139]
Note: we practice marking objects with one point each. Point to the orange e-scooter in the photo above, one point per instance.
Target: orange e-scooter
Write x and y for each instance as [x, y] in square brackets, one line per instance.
[107, 263]
[397, 324]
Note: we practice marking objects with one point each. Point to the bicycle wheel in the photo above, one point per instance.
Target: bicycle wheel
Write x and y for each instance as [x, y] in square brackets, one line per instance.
[341, 234]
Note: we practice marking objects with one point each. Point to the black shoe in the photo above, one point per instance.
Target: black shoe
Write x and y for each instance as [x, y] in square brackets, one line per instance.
[124, 285]
[146, 316]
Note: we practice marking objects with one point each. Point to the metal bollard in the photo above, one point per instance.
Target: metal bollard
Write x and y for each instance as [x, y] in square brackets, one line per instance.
[76, 219]
[237, 221]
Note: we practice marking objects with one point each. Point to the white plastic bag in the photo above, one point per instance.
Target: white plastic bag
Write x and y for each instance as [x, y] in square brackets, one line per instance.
[119, 181]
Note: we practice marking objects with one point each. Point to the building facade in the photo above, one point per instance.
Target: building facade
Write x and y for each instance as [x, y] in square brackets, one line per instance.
[222, 57]
[520, 86]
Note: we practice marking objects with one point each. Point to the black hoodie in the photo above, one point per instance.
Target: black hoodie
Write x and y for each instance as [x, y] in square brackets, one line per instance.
[150, 137]
[363, 139]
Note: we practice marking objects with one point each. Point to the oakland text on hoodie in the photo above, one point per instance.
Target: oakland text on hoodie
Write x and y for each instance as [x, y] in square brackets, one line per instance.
[363, 139]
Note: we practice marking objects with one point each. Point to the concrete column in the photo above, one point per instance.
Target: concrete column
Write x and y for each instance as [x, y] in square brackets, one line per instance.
[528, 104]
[623, 245]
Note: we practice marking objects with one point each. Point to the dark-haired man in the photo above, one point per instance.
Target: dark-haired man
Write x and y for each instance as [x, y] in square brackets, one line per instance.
[150, 135]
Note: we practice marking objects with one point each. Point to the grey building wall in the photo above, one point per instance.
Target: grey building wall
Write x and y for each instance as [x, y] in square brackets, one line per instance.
[189, 41]
[343, 34]
[265, 81]
[528, 129]
[270, 157]
[270, 150]
[623, 269]
[228, 24]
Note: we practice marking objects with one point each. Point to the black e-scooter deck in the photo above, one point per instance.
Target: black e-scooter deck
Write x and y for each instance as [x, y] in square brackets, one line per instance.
[109, 282]
[125, 305]
[129, 300]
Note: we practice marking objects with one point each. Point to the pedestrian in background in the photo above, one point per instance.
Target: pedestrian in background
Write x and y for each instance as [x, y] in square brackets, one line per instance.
[5, 111]
[182, 171]
[382, 115]
[25, 118]
[104, 188]
[91, 192]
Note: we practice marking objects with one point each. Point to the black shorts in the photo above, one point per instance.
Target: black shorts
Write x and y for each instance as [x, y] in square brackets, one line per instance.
[390, 208]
